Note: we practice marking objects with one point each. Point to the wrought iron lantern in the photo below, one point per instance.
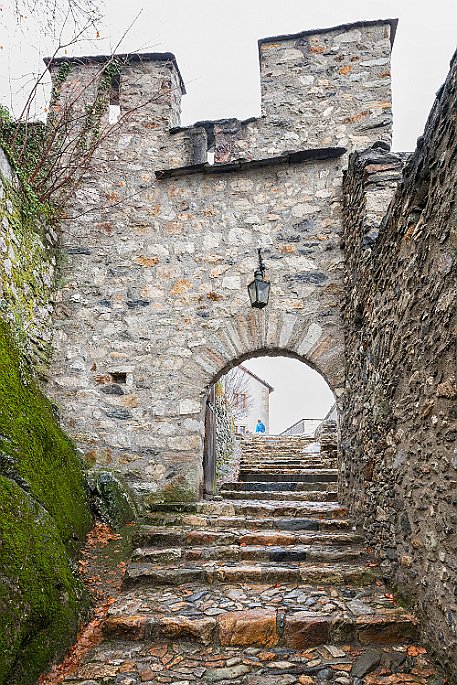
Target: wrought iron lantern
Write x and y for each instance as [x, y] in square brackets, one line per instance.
[259, 289]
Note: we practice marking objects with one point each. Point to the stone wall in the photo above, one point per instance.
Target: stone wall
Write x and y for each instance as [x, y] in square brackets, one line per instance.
[27, 269]
[153, 306]
[44, 515]
[318, 89]
[399, 420]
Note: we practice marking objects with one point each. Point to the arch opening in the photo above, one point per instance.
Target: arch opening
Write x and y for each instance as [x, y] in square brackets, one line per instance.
[263, 398]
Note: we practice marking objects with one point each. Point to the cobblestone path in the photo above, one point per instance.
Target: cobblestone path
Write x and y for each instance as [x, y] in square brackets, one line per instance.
[270, 585]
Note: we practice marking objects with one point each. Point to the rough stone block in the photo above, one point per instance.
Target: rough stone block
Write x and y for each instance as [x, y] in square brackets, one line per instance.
[136, 627]
[203, 629]
[304, 630]
[256, 627]
[382, 630]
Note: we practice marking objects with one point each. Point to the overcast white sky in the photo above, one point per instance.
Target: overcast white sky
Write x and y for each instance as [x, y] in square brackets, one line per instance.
[215, 43]
[299, 392]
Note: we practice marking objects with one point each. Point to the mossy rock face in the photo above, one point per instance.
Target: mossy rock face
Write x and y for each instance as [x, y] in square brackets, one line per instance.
[27, 268]
[44, 517]
[35, 452]
[40, 598]
[111, 499]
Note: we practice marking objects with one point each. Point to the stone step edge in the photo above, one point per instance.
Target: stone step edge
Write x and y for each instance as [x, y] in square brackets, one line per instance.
[263, 485]
[337, 573]
[285, 468]
[284, 456]
[221, 523]
[268, 553]
[221, 508]
[309, 552]
[158, 535]
[282, 496]
[268, 628]
[263, 494]
[285, 476]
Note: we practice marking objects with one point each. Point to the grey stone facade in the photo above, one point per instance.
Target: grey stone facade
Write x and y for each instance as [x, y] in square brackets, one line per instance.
[153, 306]
[399, 420]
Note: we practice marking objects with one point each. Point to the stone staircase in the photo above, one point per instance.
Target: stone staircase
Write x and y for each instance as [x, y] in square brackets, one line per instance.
[280, 468]
[270, 585]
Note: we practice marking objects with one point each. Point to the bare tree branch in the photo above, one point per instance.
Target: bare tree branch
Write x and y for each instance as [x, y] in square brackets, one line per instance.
[54, 159]
[237, 393]
[53, 16]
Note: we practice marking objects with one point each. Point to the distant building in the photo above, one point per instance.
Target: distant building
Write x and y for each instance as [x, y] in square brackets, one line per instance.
[309, 426]
[252, 399]
[302, 427]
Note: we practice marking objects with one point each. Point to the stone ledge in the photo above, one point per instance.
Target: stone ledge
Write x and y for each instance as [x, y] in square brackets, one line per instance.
[299, 157]
[393, 23]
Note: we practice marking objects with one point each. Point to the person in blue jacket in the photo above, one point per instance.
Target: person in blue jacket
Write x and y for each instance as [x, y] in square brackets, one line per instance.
[260, 428]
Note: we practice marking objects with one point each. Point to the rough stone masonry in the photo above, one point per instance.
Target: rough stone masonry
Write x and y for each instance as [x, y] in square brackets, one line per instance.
[153, 305]
[399, 422]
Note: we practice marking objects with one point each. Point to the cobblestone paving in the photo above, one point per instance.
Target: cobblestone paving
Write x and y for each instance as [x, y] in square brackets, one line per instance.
[197, 601]
[184, 663]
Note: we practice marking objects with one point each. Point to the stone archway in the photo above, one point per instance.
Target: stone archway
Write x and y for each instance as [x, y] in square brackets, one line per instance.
[286, 336]
[219, 425]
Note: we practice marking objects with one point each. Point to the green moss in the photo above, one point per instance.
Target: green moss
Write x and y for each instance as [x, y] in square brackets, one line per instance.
[39, 596]
[176, 492]
[43, 520]
[41, 453]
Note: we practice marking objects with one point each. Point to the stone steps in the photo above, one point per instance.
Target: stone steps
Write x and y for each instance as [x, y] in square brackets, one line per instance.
[311, 461]
[257, 508]
[297, 476]
[199, 600]
[144, 574]
[286, 468]
[179, 536]
[253, 488]
[269, 628]
[268, 585]
[278, 523]
[310, 496]
[269, 459]
[281, 470]
[120, 661]
[285, 457]
[299, 461]
[281, 554]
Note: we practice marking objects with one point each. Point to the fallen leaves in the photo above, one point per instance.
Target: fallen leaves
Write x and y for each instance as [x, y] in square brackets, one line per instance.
[414, 650]
[101, 535]
[88, 637]
[103, 582]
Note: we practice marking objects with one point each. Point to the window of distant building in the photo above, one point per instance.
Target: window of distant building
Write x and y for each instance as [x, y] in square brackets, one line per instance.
[240, 400]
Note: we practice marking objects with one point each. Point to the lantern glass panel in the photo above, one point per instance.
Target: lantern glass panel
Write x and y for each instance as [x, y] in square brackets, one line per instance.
[252, 293]
[259, 292]
[263, 292]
